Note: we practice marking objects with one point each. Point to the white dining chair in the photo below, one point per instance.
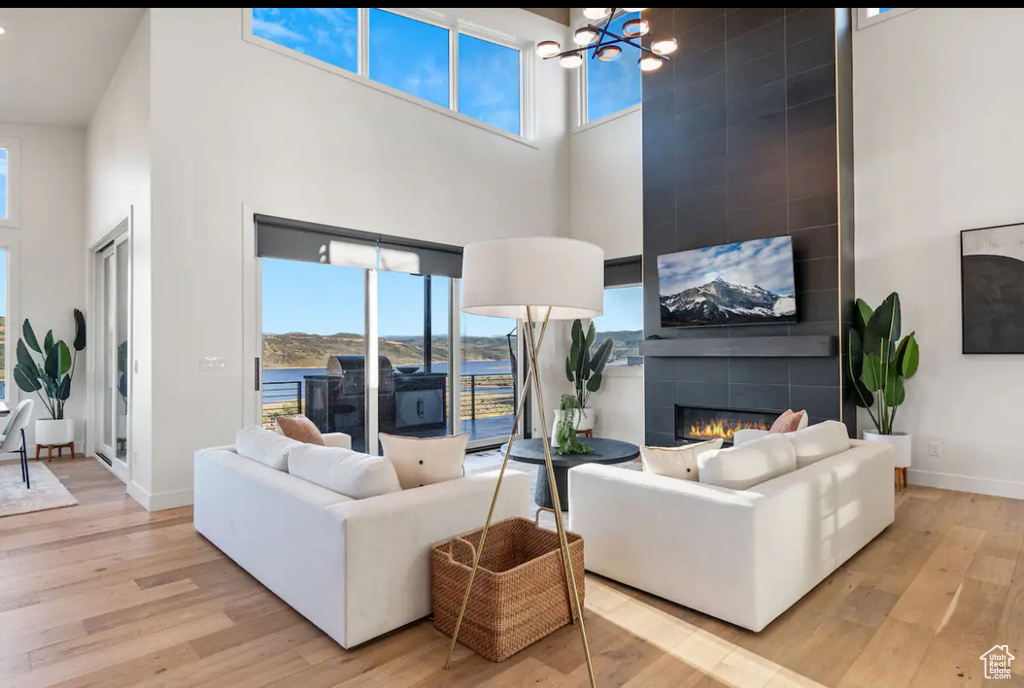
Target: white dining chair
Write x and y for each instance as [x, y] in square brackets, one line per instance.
[12, 441]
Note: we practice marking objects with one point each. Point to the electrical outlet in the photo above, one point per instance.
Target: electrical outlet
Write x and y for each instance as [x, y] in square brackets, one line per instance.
[935, 449]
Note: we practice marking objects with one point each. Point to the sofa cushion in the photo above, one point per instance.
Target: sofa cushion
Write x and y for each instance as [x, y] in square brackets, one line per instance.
[676, 462]
[344, 471]
[301, 429]
[819, 441]
[425, 461]
[789, 421]
[743, 467]
[269, 448]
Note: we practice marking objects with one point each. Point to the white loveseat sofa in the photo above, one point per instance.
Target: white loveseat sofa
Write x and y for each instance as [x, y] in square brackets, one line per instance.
[744, 556]
[355, 568]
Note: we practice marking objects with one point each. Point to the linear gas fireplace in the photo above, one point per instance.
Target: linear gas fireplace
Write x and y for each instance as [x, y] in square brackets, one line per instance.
[698, 423]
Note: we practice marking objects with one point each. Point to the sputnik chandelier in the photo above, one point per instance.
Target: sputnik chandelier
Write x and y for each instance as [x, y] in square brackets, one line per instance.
[607, 46]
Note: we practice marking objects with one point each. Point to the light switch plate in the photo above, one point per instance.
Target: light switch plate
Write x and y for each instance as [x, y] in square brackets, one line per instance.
[209, 363]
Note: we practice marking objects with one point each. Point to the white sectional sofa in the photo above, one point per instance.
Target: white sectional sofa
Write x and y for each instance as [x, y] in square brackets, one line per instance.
[744, 556]
[355, 568]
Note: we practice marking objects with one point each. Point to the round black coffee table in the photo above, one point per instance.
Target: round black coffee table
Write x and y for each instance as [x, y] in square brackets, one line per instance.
[532, 451]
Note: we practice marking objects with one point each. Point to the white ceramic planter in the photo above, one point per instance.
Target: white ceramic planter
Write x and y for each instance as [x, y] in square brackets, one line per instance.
[55, 432]
[901, 443]
[586, 421]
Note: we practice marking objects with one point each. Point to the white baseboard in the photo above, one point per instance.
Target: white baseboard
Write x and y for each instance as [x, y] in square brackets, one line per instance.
[967, 483]
[160, 500]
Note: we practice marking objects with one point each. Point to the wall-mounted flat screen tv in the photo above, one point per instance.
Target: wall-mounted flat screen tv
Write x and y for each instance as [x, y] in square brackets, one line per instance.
[746, 283]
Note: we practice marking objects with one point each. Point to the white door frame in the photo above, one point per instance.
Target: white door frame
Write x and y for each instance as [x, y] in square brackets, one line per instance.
[122, 234]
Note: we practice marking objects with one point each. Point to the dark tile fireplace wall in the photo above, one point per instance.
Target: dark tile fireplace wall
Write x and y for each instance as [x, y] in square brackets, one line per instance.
[740, 139]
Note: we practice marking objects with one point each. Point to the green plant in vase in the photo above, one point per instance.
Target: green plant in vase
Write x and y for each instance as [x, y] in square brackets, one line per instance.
[565, 429]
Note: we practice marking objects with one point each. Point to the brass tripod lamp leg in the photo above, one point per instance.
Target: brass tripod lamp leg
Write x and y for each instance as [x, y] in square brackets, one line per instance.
[490, 513]
[560, 527]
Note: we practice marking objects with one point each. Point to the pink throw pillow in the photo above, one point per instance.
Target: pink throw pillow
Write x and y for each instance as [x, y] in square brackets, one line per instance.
[301, 429]
[789, 421]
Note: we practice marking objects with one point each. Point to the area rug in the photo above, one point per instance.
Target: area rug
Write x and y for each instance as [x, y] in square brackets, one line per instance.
[46, 493]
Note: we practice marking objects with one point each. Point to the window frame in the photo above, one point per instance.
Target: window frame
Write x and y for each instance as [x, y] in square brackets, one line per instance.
[454, 26]
[583, 121]
[11, 394]
[13, 147]
[866, 19]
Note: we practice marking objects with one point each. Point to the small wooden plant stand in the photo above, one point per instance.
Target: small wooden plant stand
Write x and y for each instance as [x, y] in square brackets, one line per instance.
[59, 447]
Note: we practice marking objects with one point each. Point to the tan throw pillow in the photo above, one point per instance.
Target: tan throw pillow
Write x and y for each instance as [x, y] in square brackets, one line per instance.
[425, 461]
[301, 429]
[789, 421]
[676, 462]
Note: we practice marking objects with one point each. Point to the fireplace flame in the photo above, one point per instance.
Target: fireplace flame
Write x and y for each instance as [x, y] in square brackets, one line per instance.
[724, 429]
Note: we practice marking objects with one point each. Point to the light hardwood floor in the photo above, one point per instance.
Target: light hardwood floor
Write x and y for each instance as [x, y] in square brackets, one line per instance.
[105, 594]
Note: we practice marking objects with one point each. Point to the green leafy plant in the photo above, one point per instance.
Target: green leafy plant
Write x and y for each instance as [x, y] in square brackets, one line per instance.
[122, 371]
[584, 368]
[878, 361]
[50, 376]
[565, 429]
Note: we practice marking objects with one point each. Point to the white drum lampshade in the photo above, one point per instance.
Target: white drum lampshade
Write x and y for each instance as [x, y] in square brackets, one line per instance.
[501, 277]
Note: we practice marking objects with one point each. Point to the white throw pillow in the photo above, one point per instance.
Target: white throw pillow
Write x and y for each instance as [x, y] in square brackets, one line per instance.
[676, 462]
[743, 467]
[820, 441]
[268, 448]
[425, 461]
[344, 471]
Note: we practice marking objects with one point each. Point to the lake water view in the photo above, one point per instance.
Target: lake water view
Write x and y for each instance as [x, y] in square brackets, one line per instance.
[278, 391]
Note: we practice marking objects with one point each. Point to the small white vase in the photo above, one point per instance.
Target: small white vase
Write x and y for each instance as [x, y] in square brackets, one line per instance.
[585, 421]
[51, 432]
[901, 443]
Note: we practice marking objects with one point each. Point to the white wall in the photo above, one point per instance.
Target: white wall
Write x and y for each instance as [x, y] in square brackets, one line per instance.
[607, 184]
[938, 145]
[234, 123]
[118, 164]
[620, 404]
[48, 278]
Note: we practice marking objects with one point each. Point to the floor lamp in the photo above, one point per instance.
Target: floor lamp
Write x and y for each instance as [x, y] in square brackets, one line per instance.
[534, 279]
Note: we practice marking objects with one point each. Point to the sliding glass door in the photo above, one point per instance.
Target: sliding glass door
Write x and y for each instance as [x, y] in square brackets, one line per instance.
[112, 382]
[323, 324]
[314, 345]
[414, 354]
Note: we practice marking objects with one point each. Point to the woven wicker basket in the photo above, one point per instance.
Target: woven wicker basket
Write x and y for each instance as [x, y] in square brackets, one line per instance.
[519, 594]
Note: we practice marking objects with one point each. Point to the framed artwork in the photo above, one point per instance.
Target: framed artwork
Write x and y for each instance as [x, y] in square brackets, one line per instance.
[992, 289]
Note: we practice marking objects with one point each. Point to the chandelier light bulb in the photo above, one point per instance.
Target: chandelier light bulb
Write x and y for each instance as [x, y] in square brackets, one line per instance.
[571, 61]
[584, 36]
[609, 53]
[636, 27]
[596, 12]
[664, 46]
[548, 48]
[649, 63]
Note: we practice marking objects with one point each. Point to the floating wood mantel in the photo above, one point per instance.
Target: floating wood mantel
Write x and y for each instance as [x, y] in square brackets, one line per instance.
[806, 346]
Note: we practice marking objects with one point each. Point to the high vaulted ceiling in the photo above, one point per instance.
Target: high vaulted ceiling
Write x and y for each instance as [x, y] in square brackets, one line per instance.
[56, 63]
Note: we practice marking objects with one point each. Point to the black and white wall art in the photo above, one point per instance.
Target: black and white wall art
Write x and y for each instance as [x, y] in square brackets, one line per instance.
[992, 276]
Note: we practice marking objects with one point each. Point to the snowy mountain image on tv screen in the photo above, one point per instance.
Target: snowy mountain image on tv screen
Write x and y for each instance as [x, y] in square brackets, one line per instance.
[733, 284]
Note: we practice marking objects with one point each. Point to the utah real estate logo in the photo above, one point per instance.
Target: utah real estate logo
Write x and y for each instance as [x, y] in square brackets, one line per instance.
[997, 662]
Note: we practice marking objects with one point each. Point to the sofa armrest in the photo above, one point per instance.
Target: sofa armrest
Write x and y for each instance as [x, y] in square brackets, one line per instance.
[678, 539]
[388, 542]
[744, 436]
[338, 439]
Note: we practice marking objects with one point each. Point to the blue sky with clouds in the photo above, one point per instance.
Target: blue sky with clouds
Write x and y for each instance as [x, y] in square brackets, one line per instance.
[767, 263]
[406, 54]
